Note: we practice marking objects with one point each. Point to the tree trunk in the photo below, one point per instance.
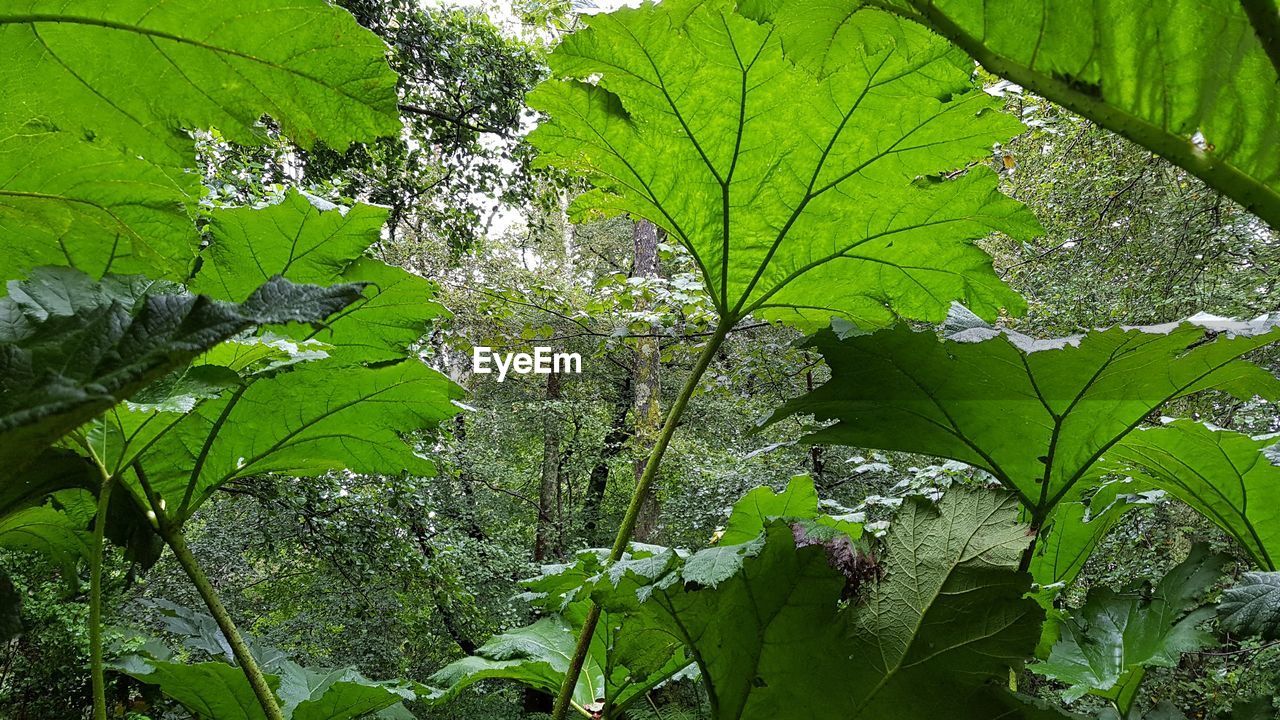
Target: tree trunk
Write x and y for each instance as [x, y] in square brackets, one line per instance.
[598, 482]
[465, 484]
[544, 541]
[648, 390]
[816, 451]
[448, 618]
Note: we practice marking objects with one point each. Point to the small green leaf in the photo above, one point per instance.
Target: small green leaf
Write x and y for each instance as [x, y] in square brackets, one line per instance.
[1107, 646]
[758, 507]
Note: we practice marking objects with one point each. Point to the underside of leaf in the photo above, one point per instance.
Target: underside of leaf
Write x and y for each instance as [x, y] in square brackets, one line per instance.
[801, 195]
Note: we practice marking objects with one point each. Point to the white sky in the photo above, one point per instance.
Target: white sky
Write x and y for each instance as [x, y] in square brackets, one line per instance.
[500, 10]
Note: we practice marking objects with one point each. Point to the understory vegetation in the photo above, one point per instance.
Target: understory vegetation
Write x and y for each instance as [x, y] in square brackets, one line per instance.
[929, 360]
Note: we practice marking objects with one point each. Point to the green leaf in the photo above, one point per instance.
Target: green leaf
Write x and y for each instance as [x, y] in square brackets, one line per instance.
[219, 691]
[46, 530]
[341, 694]
[64, 201]
[300, 238]
[798, 502]
[197, 630]
[630, 654]
[1252, 607]
[122, 333]
[395, 712]
[54, 470]
[1077, 526]
[119, 435]
[213, 690]
[1225, 475]
[1107, 646]
[1259, 708]
[1164, 710]
[54, 509]
[773, 641]
[1036, 414]
[951, 613]
[306, 240]
[1138, 69]
[57, 519]
[78, 66]
[800, 195]
[768, 637]
[317, 418]
[537, 656]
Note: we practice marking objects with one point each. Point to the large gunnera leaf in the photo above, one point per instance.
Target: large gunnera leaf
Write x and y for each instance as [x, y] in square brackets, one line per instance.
[632, 653]
[536, 655]
[1106, 646]
[50, 508]
[345, 395]
[65, 201]
[71, 348]
[1229, 477]
[766, 623]
[137, 72]
[1036, 414]
[626, 660]
[1252, 607]
[219, 691]
[949, 615]
[308, 240]
[213, 690]
[1191, 80]
[98, 99]
[801, 193]
[45, 529]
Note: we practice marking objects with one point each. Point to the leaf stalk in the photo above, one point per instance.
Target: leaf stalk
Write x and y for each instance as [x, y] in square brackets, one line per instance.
[177, 542]
[638, 496]
[97, 668]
